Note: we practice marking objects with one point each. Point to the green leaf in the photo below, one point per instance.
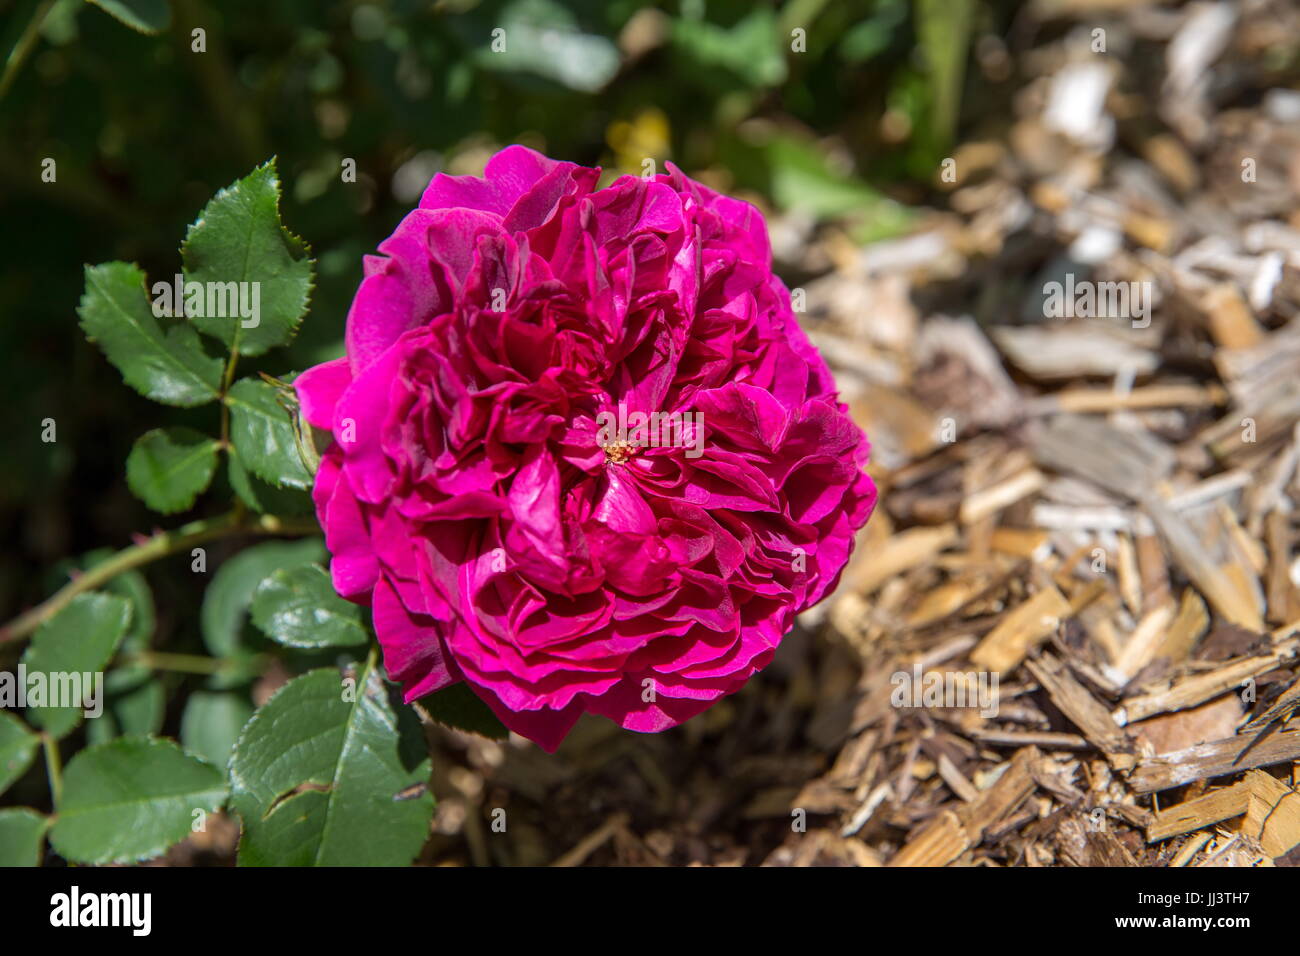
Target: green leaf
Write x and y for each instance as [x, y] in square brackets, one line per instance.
[134, 699]
[21, 833]
[144, 16]
[81, 639]
[801, 179]
[128, 584]
[543, 38]
[227, 599]
[131, 799]
[264, 498]
[170, 367]
[262, 432]
[943, 33]
[299, 608]
[460, 708]
[319, 780]
[17, 748]
[212, 722]
[750, 50]
[872, 36]
[168, 468]
[239, 238]
[132, 586]
[136, 705]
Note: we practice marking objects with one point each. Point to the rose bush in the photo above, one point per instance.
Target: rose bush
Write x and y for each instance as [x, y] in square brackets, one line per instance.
[472, 500]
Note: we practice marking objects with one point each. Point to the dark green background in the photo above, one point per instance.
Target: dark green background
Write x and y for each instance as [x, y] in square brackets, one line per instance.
[144, 131]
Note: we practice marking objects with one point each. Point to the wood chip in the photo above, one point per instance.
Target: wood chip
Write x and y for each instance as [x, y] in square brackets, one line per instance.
[1214, 759]
[1188, 553]
[1087, 713]
[938, 844]
[1213, 807]
[904, 551]
[1021, 630]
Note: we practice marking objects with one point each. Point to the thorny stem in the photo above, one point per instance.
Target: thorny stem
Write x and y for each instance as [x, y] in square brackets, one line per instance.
[23, 48]
[159, 545]
[226, 379]
[230, 102]
[178, 663]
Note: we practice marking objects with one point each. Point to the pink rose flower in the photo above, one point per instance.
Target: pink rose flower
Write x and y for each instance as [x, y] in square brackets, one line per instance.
[497, 491]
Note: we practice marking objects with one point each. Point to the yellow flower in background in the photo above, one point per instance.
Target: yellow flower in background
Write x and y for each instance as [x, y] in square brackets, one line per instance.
[647, 136]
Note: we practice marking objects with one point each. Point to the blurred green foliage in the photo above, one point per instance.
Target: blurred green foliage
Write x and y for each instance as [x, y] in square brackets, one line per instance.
[782, 102]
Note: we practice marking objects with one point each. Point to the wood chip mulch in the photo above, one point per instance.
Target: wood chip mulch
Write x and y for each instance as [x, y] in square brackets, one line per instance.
[1098, 510]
